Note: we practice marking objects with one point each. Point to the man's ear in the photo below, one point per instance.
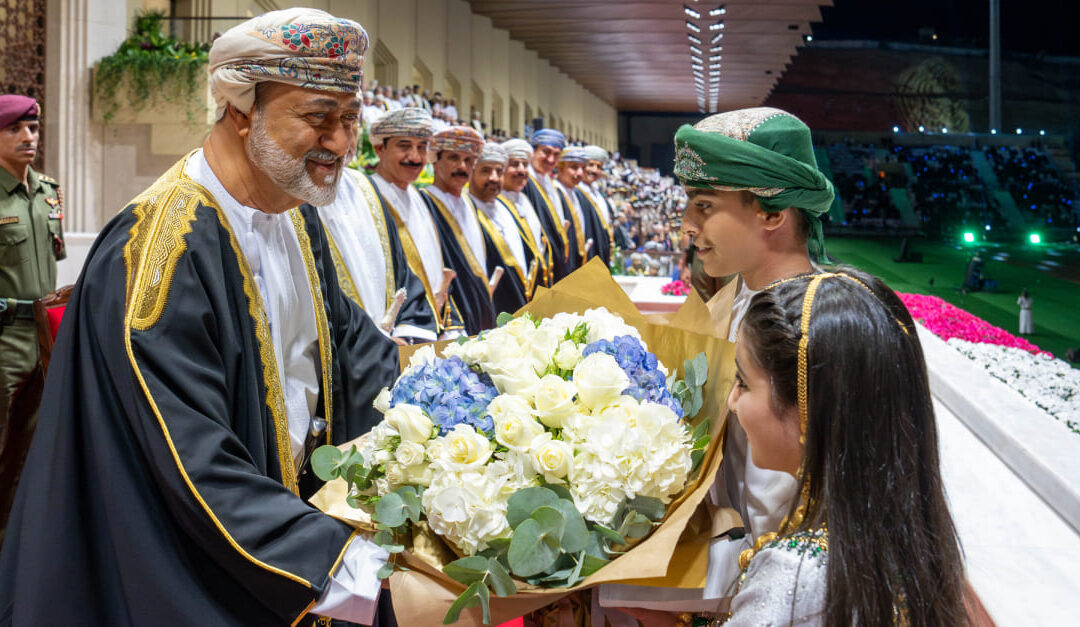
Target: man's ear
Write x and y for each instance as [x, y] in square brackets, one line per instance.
[240, 120]
[773, 220]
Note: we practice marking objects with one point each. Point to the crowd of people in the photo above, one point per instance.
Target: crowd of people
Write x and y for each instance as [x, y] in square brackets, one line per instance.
[1034, 183]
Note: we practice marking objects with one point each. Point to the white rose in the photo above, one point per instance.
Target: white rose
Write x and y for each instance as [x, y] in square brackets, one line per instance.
[411, 422]
[515, 426]
[500, 350]
[424, 355]
[552, 458]
[409, 453]
[464, 448]
[521, 328]
[454, 349]
[553, 399]
[651, 418]
[541, 348]
[395, 476]
[382, 401]
[418, 474]
[604, 325]
[599, 380]
[381, 434]
[516, 380]
[568, 355]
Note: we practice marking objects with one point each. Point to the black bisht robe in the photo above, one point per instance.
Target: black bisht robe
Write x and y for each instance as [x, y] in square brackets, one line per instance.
[564, 255]
[512, 292]
[415, 311]
[159, 487]
[469, 291]
[594, 228]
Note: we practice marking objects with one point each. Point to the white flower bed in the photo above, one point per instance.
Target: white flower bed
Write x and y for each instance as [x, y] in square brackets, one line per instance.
[1048, 382]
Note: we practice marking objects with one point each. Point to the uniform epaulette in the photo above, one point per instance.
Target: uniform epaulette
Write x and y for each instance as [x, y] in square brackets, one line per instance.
[48, 179]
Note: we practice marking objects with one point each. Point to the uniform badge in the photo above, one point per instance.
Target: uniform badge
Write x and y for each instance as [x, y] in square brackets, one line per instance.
[56, 215]
[9, 220]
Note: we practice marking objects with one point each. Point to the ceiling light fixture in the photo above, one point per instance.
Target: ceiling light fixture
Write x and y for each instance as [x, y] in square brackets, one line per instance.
[693, 39]
[716, 38]
[714, 58]
[694, 13]
[720, 10]
[717, 26]
[692, 26]
[694, 49]
[716, 49]
[695, 59]
[715, 66]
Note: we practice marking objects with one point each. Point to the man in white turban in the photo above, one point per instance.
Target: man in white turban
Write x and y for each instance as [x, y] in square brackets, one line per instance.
[206, 351]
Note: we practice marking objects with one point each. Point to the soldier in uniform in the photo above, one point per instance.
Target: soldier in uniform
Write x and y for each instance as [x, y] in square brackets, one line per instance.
[31, 241]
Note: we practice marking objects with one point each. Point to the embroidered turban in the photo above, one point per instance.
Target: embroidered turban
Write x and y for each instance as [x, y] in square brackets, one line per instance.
[14, 107]
[765, 151]
[596, 153]
[493, 153]
[518, 149]
[303, 47]
[458, 138]
[548, 137]
[404, 122]
[573, 154]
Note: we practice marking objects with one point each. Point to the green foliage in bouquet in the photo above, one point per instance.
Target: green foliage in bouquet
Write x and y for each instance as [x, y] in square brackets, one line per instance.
[688, 391]
[150, 64]
[552, 546]
[394, 511]
[366, 157]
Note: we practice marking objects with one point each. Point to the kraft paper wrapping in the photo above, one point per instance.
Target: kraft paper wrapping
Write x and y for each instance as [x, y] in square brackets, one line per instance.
[674, 555]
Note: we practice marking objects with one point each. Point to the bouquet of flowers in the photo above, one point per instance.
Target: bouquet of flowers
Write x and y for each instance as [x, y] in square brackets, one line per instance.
[539, 451]
[675, 288]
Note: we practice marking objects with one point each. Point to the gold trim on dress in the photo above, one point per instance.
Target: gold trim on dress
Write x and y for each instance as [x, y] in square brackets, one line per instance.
[367, 188]
[599, 215]
[508, 259]
[577, 223]
[345, 279]
[141, 270]
[416, 264]
[555, 217]
[474, 263]
[543, 259]
[321, 323]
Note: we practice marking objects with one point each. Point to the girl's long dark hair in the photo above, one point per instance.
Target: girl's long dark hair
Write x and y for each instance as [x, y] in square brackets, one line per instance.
[871, 457]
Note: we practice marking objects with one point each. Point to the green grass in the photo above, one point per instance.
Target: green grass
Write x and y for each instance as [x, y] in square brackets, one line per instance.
[1056, 307]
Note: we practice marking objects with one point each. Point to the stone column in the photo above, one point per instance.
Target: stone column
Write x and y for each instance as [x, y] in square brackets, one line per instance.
[78, 32]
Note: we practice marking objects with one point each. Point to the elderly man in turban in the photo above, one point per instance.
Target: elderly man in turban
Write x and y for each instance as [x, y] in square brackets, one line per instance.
[206, 351]
[401, 140]
[548, 144]
[455, 150]
[592, 198]
[756, 197]
[505, 244]
[515, 177]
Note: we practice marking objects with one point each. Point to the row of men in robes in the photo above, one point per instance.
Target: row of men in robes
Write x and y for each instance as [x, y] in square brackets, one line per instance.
[499, 220]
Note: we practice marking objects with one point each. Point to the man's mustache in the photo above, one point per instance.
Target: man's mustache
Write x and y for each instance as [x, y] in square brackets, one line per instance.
[324, 155]
[411, 164]
[461, 173]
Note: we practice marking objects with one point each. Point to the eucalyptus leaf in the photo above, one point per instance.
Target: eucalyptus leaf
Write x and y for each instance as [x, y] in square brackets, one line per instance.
[382, 537]
[390, 510]
[411, 501]
[609, 534]
[529, 554]
[523, 503]
[701, 442]
[552, 524]
[650, 507]
[503, 318]
[560, 490]
[499, 579]
[467, 599]
[575, 574]
[559, 575]
[575, 534]
[467, 569]
[635, 526]
[324, 461]
[701, 370]
[590, 564]
[385, 570]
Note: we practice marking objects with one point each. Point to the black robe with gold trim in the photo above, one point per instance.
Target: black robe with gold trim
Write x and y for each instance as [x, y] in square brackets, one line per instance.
[594, 228]
[516, 287]
[415, 311]
[159, 488]
[470, 289]
[563, 242]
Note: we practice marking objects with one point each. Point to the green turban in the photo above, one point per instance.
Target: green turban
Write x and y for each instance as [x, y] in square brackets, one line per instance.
[765, 151]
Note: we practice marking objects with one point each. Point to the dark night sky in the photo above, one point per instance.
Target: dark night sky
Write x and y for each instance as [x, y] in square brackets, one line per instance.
[1031, 26]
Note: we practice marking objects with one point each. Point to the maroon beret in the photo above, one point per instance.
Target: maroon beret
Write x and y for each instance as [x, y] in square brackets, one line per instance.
[14, 107]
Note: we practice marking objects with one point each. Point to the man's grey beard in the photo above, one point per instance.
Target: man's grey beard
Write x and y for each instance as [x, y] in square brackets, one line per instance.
[290, 173]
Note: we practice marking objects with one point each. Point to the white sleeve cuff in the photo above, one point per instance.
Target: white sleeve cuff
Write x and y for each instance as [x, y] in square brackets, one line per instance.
[354, 588]
[408, 330]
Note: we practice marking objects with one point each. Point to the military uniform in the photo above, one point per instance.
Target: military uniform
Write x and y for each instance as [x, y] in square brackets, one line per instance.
[31, 242]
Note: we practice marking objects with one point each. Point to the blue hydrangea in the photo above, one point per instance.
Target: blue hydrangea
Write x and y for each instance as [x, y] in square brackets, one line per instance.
[451, 394]
[647, 381]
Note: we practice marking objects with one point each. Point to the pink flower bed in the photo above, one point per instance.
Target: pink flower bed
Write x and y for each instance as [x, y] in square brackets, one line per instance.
[948, 321]
[675, 288]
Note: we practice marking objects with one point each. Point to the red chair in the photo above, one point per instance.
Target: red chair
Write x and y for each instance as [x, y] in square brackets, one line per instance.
[48, 311]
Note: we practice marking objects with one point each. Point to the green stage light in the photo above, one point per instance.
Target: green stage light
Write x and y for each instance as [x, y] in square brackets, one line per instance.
[969, 237]
[1034, 238]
